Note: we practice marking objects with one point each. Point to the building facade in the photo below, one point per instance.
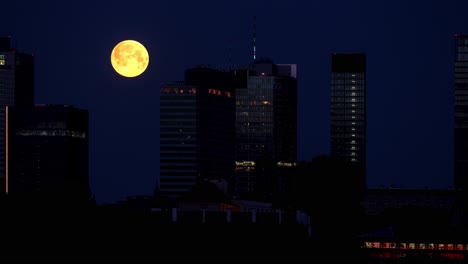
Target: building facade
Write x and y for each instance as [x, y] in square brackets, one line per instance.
[47, 151]
[348, 108]
[196, 131]
[461, 113]
[266, 124]
[16, 88]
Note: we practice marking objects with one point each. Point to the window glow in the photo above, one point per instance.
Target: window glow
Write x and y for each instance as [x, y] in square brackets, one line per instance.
[50, 133]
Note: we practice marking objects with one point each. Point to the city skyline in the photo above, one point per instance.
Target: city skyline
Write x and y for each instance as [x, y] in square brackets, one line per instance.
[409, 48]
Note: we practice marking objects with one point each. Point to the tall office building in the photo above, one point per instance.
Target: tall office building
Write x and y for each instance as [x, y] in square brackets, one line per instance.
[47, 151]
[461, 113]
[266, 124]
[197, 131]
[16, 88]
[348, 108]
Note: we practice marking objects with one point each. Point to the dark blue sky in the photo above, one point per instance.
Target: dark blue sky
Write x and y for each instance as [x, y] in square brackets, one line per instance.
[409, 47]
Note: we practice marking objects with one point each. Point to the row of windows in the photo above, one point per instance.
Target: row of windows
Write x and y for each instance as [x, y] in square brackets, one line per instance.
[50, 133]
[424, 246]
[178, 124]
[347, 100]
[347, 111]
[347, 117]
[347, 93]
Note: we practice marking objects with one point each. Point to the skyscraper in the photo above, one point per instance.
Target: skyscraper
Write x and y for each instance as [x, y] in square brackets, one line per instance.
[348, 108]
[197, 131]
[47, 151]
[16, 88]
[266, 123]
[461, 113]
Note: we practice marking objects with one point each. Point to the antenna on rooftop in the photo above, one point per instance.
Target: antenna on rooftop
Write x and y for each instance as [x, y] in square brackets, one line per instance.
[255, 38]
[230, 54]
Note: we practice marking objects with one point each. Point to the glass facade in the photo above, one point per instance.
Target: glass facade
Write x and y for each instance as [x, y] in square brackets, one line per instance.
[266, 119]
[197, 131]
[348, 108]
[48, 151]
[16, 88]
[461, 112]
[178, 139]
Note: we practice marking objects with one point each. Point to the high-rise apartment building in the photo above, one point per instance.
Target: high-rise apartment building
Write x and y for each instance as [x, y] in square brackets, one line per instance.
[348, 108]
[16, 88]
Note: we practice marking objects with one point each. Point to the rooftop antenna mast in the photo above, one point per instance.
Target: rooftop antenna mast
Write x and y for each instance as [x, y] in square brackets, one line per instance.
[230, 54]
[254, 39]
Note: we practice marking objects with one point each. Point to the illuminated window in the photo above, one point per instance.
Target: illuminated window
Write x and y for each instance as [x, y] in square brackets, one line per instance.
[353, 160]
[2, 62]
[353, 148]
[459, 246]
[353, 111]
[422, 246]
[449, 246]
[353, 87]
[411, 246]
[353, 135]
[430, 246]
[353, 94]
[353, 129]
[353, 81]
[353, 100]
[353, 153]
[353, 117]
[353, 105]
[441, 246]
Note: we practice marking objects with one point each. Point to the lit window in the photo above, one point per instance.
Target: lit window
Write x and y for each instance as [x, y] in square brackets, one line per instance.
[353, 81]
[353, 148]
[353, 154]
[353, 135]
[353, 105]
[2, 62]
[353, 87]
[353, 129]
[353, 117]
[353, 100]
[353, 94]
[353, 111]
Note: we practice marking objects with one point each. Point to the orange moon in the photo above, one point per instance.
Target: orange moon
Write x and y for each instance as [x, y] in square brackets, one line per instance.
[129, 58]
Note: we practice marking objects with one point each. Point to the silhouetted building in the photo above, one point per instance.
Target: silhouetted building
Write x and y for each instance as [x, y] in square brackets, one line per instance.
[197, 131]
[348, 108]
[461, 112]
[47, 152]
[266, 124]
[16, 87]
[377, 201]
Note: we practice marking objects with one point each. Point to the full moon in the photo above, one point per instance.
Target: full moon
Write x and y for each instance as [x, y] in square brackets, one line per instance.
[129, 58]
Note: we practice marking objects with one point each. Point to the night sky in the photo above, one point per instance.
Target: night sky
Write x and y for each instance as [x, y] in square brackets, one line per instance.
[409, 47]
